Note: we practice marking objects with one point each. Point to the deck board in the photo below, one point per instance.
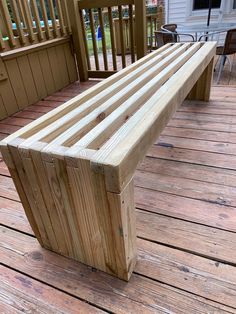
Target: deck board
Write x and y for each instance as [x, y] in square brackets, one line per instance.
[186, 223]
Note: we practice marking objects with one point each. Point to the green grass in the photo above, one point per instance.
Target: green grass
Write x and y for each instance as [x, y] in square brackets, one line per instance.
[99, 43]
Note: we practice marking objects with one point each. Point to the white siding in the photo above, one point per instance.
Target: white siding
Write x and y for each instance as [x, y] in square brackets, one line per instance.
[178, 11]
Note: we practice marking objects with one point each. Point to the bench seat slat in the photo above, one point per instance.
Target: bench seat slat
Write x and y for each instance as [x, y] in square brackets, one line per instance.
[83, 126]
[133, 138]
[60, 111]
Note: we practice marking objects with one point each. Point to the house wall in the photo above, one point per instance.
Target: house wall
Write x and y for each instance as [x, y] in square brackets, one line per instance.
[179, 12]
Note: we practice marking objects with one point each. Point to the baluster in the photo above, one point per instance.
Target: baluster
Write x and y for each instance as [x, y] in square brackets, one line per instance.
[112, 36]
[131, 33]
[66, 15]
[122, 37]
[8, 23]
[2, 43]
[53, 17]
[85, 39]
[60, 16]
[45, 19]
[28, 19]
[21, 12]
[37, 19]
[104, 46]
[19, 25]
[95, 50]
[151, 33]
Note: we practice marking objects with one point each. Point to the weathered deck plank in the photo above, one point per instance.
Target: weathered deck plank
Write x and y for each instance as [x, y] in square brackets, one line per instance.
[186, 221]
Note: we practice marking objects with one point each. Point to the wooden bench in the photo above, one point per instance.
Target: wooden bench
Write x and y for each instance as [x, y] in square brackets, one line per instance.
[73, 168]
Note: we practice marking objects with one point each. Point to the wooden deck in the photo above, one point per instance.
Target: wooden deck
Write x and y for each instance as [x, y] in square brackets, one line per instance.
[186, 223]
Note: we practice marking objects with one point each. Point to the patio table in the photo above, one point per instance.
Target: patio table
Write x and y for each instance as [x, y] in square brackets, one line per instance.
[200, 29]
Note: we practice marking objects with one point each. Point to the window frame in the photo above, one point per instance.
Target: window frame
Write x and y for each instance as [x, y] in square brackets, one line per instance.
[201, 14]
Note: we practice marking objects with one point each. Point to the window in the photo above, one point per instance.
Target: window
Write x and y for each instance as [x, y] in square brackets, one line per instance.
[204, 4]
[234, 5]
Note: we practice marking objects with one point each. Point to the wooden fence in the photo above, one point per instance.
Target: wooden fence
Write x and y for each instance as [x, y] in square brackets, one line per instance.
[23, 22]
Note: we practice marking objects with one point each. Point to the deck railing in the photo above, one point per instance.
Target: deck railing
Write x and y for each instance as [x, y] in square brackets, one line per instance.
[107, 29]
[23, 22]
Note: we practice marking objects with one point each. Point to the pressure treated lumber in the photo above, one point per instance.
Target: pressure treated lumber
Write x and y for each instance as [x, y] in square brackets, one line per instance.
[73, 168]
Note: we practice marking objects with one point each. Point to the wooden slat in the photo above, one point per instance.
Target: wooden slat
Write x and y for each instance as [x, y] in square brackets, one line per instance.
[17, 83]
[88, 94]
[77, 37]
[45, 19]
[8, 23]
[151, 33]
[93, 33]
[37, 75]
[68, 120]
[27, 79]
[112, 36]
[70, 62]
[37, 19]
[61, 18]
[53, 17]
[85, 39]
[104, 47]
[3, 112]
[7, 95]
[18, 22]
[55, 67]
[47, 71]
[121, 32]
[131, 33]
[192, 64]
[2, 43]
[66, 15]
[140, 34]
[21, 13]
[126, 107]
[61, 59]
[28, 20]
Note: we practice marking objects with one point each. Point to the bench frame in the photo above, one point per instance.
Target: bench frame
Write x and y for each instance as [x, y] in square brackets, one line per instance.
[75, 179]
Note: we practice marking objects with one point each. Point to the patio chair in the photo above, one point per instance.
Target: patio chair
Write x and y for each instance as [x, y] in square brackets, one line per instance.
[225, 50]
[169, 27]
[165, 37]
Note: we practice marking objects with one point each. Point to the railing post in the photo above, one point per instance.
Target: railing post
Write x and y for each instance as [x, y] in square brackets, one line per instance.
[77, 35]
[140, 28]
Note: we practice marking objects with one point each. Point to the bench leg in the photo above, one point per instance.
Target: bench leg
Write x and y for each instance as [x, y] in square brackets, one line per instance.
[106, 221]
[201, 90]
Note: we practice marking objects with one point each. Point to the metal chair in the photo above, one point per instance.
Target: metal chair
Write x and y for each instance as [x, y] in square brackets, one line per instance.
[165, 37]
[169, 27]
[227, 49]
[224, 51]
